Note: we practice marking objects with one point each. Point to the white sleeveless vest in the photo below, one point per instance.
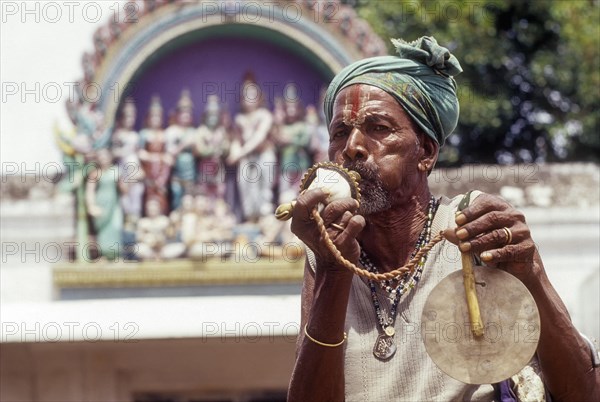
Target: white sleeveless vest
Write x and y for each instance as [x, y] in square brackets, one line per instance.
[410, 375]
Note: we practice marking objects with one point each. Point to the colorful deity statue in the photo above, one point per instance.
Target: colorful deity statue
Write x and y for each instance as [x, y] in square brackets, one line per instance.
[254, 153]
[232, 194]
[102, 40]
[223, 222]
[319, 143]
[156, 162]
[315, 121]
[183, 221]
[102, 202]
[212, 234]
[293, 141]
[181, 138]
[212, 144]
[154, 240]
[88, 62]
[89, 133]
[125, 148]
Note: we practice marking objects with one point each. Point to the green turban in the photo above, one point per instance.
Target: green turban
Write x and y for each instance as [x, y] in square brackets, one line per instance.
[420, 79]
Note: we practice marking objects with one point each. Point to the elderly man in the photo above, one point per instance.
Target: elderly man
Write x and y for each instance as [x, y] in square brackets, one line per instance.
[387, 118]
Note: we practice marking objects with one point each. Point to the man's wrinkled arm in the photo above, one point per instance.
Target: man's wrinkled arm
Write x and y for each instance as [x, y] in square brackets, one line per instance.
[319, 371]
[563, 354]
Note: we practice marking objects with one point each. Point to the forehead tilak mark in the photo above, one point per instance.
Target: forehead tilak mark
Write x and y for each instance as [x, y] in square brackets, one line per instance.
[354, 113]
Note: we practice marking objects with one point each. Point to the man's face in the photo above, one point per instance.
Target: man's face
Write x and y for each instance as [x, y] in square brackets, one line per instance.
[372, 134]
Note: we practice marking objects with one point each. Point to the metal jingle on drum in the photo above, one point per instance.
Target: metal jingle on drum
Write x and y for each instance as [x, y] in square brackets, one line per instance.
[385, 347]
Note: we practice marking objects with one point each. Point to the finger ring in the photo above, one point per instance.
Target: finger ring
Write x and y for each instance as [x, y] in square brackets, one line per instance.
[335, 225]
[508, 235]
[284, 211]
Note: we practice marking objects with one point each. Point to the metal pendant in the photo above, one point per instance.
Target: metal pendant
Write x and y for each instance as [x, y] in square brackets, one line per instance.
[385, 347]
[390, 331]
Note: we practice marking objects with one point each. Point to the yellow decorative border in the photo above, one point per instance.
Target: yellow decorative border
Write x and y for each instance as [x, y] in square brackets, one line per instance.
[178, 273]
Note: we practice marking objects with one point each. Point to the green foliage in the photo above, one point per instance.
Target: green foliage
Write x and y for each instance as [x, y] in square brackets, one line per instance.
[529, 90]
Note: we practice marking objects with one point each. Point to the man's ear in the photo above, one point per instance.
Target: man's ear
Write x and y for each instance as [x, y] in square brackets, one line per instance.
[430, 154]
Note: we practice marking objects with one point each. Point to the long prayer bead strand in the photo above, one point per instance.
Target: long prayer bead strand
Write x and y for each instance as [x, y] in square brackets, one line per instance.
[408, 280]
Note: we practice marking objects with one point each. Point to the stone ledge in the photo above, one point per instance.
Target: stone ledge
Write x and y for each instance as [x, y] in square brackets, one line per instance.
[526, 185]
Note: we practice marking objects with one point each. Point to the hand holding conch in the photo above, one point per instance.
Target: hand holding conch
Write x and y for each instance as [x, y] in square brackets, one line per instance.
[337, 181]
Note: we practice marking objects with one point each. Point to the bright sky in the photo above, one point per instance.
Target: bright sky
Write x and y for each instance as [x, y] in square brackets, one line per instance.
[41, 44]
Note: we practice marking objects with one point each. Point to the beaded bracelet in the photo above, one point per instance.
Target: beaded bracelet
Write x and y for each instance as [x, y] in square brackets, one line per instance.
[329, 345]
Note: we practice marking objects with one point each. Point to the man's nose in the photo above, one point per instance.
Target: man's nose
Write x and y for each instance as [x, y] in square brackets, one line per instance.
[355, 146]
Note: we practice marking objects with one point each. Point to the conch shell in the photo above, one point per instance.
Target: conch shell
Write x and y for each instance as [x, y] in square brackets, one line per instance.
[340, 182]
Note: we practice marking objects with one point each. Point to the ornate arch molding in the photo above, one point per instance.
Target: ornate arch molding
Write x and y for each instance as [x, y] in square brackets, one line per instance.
[336, 39]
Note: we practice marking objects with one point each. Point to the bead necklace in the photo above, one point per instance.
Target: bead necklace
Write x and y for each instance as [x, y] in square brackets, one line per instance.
[385, 346]
[402, 286]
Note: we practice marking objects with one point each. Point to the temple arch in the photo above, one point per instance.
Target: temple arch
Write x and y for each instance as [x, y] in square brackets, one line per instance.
[157, 34]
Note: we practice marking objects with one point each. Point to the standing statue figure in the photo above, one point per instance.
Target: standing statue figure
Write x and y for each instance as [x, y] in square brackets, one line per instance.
[180, 137]
[88, 133]
[232, 193]
[212, 143]
[254, 153]
[315, 119]
[125, 149]
[318, 133]
[102, 202]
[156, 162]
[293, 141]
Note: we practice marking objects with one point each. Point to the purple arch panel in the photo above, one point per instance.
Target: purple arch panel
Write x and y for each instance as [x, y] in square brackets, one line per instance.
[217, 66]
